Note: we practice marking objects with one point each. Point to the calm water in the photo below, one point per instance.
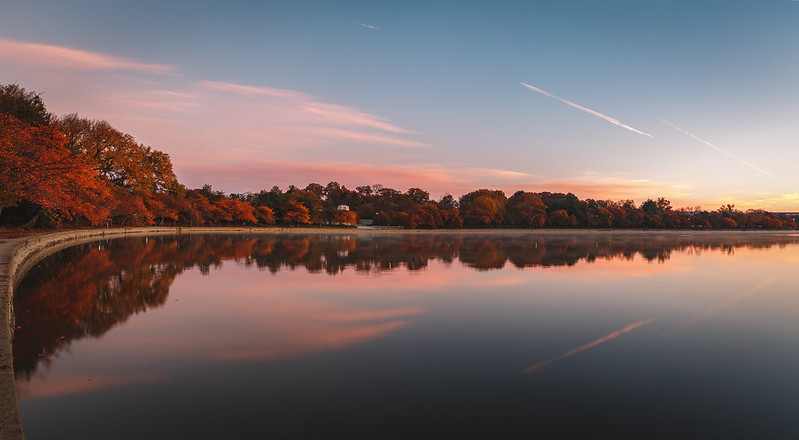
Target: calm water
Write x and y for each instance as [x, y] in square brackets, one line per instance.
[605, 335]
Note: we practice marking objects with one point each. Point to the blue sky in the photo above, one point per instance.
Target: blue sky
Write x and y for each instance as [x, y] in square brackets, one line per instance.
[245, 95]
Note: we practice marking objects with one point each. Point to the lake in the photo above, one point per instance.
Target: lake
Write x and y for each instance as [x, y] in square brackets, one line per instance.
[475, 335]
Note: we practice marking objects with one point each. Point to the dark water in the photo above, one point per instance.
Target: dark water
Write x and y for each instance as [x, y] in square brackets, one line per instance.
[604, 335]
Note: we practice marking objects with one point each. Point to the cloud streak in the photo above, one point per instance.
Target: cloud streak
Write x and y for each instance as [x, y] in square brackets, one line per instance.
[368, 26]
[587, 110]
[719, 149]
[74, 59]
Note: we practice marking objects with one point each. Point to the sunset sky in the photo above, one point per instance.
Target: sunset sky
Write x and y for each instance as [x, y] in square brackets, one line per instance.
[694, 100]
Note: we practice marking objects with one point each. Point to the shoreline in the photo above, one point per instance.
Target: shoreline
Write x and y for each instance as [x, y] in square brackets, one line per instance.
[19, 254]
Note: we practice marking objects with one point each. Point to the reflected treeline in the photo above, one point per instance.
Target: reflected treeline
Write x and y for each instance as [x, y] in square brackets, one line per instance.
[86, 290]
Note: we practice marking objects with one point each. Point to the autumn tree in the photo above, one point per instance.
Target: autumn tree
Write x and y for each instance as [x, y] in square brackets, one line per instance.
[311, 201]
[483, 207]
[448, 202]
[347, 217]
[562, 219]
[264, 215]
[36, 165]
[235, 210]
[26, 106]
[569, 203]
[295, 212]
[418, 196]
[526, 209]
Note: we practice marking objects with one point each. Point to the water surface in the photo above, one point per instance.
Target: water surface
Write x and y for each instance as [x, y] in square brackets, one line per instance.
[598, 335]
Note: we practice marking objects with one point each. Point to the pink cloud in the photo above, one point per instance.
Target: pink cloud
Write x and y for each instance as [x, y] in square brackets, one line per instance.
[73, 59]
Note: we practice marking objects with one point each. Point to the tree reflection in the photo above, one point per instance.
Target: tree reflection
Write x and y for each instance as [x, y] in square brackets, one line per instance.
[86, 290]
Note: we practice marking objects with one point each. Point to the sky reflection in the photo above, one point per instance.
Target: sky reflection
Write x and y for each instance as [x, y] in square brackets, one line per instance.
[424, 325]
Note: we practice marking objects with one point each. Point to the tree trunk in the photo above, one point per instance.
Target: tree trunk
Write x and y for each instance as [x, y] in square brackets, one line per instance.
[32, 221]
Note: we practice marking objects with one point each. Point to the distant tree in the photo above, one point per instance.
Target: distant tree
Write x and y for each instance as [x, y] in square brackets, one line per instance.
[483, 208]
[451, 218]
[526, 209]
[131, 209]
[728, 223]
[650, 207]
[365, 191]
[316, 188]
[418, 196]
[23, 105]
[348, 217]
[448, 202]
[265, 215]
[562, 219]
[295, 212]
[316, 208]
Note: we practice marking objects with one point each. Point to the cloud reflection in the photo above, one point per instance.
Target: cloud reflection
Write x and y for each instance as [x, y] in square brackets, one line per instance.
[54, 386]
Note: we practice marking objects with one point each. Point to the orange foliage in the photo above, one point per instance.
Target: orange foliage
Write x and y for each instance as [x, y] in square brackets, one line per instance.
[295, 212]
[36, 165]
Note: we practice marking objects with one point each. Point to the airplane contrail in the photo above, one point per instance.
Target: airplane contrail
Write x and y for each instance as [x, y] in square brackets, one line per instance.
[587, 110]
[537, 366]
[719, 149]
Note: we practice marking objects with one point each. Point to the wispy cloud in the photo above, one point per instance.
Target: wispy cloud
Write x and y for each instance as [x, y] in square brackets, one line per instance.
[587, 110]
[537, 366]
[74, 59]
[368, 26]
[274, 116]
[253, 90]
[717, 148]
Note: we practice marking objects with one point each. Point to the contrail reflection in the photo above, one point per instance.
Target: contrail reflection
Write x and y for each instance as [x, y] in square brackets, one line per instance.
[535, 367]
[727, 303]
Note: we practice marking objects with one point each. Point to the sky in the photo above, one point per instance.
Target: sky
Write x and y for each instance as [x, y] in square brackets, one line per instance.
[692, 100]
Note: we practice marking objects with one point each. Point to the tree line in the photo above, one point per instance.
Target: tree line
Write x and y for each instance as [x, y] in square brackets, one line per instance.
[57, 170]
